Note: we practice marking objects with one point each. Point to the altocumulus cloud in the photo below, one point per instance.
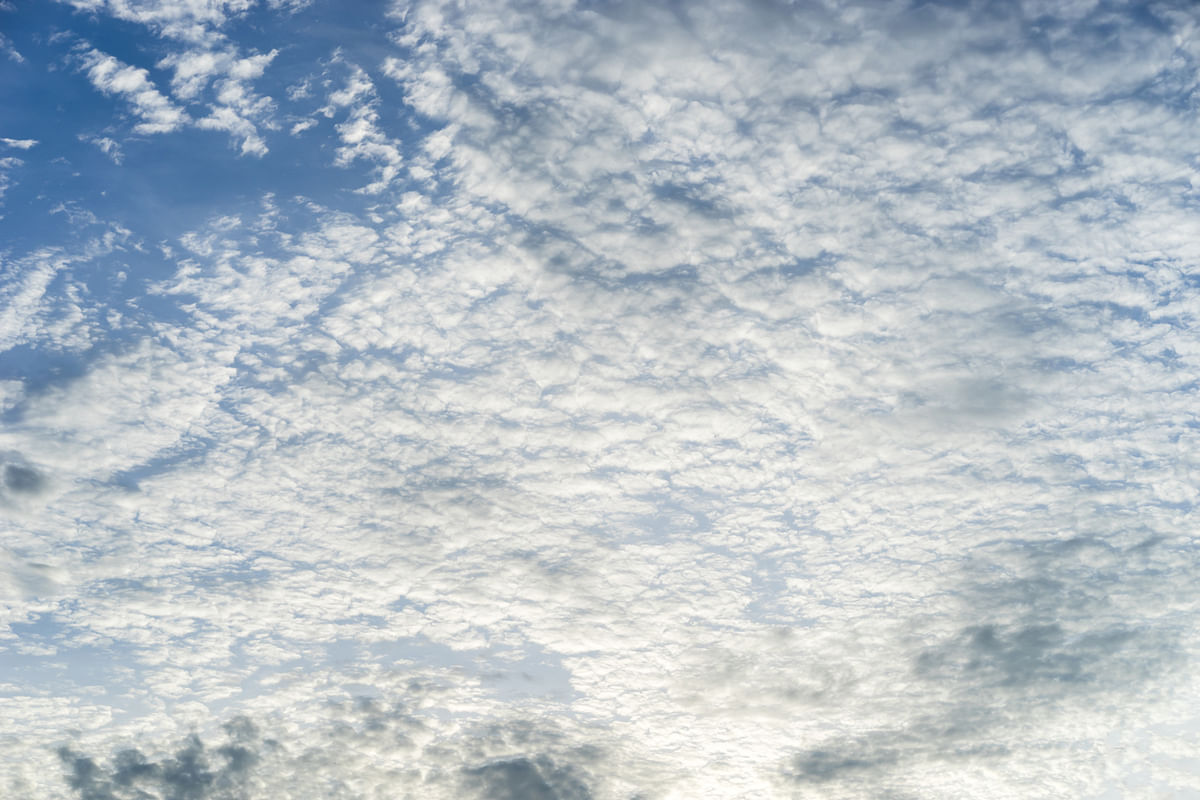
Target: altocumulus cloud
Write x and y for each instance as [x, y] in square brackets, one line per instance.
[571, 400]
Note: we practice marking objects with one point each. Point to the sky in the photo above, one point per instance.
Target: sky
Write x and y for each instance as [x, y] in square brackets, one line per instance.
[599, 399]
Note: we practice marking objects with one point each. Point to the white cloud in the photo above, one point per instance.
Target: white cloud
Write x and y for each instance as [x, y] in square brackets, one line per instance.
[360, 133]
[19, 144]
[196, 69]
[752, 402]
[110, 147]
[235, 108]
[187, 20]
[238, 109]
[24, 297]
[302, 126]
[209, 65]
[6, 47]
[6, 165]
[111, 76]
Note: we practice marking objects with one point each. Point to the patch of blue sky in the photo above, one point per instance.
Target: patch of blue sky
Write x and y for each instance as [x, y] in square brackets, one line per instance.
[165, 183]
[52, 661]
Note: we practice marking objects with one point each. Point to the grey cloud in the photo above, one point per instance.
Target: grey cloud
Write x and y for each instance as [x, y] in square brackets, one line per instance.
[194, 772]
[247, 766]
[1074, 615]
[842, 761]
[1055, 633]
[525, 779]
[22, 479]
[86, 777]
[1025, 655]
[875, 764]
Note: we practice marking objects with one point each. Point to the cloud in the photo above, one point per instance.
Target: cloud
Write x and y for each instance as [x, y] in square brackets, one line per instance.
[1052, 635]
[6, 46]
[360, 134]
[110, 147]
[21, 479]
[723, 401]
[226, 118]
[19, 144]
[111, 76]
[207, 65]
[248, 765]
[524, 778]
[176, 19]
[302, 126]
[6, 165]
[237, 110]
[190, 774]
[195, 69]
[26, 294]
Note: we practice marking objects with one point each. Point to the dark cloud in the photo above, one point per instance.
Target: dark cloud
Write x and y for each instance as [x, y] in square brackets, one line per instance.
[22, 479]
[876, 759]
[1023, 655]
[1048, 634]
[1058, 624]
[848, 760]
[523, 760]
[190, 774]
[85, 777]
[130, 767]
[525, 779]
[534, 765]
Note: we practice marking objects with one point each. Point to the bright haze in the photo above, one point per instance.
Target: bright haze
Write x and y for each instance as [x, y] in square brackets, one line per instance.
[599, 400]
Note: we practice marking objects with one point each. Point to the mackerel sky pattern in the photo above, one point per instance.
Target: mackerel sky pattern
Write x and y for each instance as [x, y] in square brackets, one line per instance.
[587, 399]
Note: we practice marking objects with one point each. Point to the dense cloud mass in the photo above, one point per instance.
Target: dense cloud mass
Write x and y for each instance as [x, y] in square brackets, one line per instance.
[573, 400]
[247, 766]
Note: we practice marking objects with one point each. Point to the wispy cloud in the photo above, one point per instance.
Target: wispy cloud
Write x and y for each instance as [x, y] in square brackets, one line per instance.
[108, 74]
[177, 19]
[109, 146]
[208, 67]
[6, 47]
[359, 132]
[235, 107]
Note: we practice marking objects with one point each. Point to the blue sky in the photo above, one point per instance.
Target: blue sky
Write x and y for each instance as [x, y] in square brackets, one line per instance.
[552, 399]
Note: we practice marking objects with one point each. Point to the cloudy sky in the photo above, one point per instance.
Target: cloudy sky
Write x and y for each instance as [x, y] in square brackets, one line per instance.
[599, 400]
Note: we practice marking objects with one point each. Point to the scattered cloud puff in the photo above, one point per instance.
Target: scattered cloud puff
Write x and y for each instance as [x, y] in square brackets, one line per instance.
[110, 147]
[237, 110]
[194, 70]
[156, 111]
[7, 164]
[194, 22]
[6, 46]
[719, 401]
[359, 132]
[208, 68]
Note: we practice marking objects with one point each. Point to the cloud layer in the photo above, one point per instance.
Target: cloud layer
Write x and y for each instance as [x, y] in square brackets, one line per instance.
[730, 400]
